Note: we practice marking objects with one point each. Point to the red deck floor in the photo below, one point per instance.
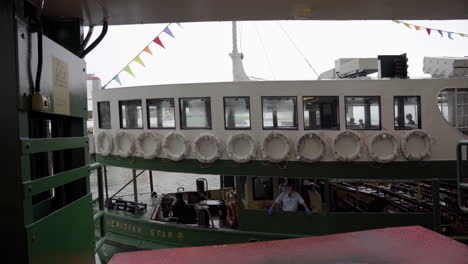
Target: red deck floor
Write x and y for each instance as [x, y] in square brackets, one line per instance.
[412, 244]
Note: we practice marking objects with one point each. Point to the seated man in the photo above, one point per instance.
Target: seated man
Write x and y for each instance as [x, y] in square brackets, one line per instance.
[289, 201]
[182, 211]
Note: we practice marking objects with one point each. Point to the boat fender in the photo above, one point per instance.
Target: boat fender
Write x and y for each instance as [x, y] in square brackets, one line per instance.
[416, 154]
[175, 146]
[381, 137]
[232, 216]
[347, 154]
[149, 145]
[308, 154]
[124, 143]
[241, 155]
[207, 148]
[105, 143]
[276, 147]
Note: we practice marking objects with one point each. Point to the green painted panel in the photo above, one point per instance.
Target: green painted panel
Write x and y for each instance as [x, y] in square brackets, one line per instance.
[320, 170]
[38, 145]
[62, 237]
[322, 224]
[34, 187]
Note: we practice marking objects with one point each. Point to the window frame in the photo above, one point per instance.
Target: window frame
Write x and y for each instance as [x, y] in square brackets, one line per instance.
[120, 113]
[224, 113]
[272, 189]
[295, 118]
[148, 116]
[99, 115]
[363, 96]
[182, 114]
[419, 112]
[338, 113]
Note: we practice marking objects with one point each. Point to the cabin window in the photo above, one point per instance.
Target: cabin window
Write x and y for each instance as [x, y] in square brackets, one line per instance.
[237, 112]
[321, 112]
[131, 115]
[407, 112]
[362, 112]
[262, 188]
[453, 104]
[195, 113]
[161, 113]
[279, 112]
[104, 115]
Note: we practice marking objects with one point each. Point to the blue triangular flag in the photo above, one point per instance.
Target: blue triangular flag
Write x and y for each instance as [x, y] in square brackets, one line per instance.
[450, 35]
[168, 31]
[441, 32]
[117, 79]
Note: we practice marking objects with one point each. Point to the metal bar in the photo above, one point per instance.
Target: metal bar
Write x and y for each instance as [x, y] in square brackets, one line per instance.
[101, 201]
[436, 205]
[105, 183]
[99, 244]
[37, 145]
[95, 166]
[98, 215]
[125, 185]
[460, 174]
[135, 192]
[327, 196]
[44, 184]
[151, 181]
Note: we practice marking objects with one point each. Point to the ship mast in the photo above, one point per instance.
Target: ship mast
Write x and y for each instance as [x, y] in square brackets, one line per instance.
[238, 72]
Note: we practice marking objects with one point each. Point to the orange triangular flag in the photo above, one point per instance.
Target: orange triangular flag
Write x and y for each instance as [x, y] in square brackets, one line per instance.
[417, 27]
[147, 49]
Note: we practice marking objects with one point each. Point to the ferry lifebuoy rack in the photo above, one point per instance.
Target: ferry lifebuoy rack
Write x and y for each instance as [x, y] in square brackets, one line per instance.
[207, 148]
[175, 146]
[383, 147]
[149, 145]
[276, 147]
[105, 143]
[346, 146]
[241, 147]
[310, 147]
[124, 143]
[416, 145]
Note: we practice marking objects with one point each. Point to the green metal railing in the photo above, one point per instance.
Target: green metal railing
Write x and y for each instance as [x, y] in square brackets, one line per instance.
[100, 213]
[462, 186]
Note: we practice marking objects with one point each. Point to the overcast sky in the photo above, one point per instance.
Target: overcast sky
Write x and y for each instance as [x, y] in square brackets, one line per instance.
[199, 52]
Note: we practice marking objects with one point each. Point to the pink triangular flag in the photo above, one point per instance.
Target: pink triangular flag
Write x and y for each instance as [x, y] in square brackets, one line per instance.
[428, 31]
[158, 41]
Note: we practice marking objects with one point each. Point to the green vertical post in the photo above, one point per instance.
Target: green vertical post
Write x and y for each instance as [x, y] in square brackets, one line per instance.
[151, 181]
[135, 191]
[326, 188]
[105, 183]
[436, 205]
[101, 200]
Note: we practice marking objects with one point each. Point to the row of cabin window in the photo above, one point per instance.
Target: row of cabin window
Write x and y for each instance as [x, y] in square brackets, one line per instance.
[278, 112]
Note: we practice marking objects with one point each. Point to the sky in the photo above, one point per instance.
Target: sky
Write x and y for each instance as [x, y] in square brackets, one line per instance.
[199, 51]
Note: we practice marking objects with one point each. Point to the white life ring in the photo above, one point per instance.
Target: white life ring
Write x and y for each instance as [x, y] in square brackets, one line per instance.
[383, 147]
[149, 145]
[175, 146]
[241, 147]
[105, 143]
[207, 148]
[416, 145]
[310, 147]
[346, 146]
[124, 143]
[276, 147]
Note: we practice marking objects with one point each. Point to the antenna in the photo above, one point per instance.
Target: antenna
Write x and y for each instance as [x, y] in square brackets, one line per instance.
[238, 72]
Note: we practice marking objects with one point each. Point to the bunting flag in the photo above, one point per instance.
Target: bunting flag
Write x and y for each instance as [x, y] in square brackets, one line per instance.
[158, 41]
[138, 59]
[180, 25]
[168, 31]
[449, 34]
[147, 50]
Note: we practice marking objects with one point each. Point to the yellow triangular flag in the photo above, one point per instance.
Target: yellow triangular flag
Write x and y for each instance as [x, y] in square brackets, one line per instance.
[127, 69]
[462, 35]
[147, 49]
[408, 25]
[138, 59]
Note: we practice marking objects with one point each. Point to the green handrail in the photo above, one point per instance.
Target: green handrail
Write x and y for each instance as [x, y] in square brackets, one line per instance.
[462, 186]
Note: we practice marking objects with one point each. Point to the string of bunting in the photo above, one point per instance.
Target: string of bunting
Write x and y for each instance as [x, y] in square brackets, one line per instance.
[146, 49]
[442, 33]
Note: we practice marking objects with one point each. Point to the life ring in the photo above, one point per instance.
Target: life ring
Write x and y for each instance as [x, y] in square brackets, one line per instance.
[416, 145]
[241, 147]
[175, 146]
[383, 147]
[207, 148]
[149, 145]
[231, 206]
[346, 146]
[105, 143]
[124, 143]
[276, 147]
[310, 147]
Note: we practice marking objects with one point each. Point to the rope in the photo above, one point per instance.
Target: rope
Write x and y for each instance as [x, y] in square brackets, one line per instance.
[297, 48]
[264, 51]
